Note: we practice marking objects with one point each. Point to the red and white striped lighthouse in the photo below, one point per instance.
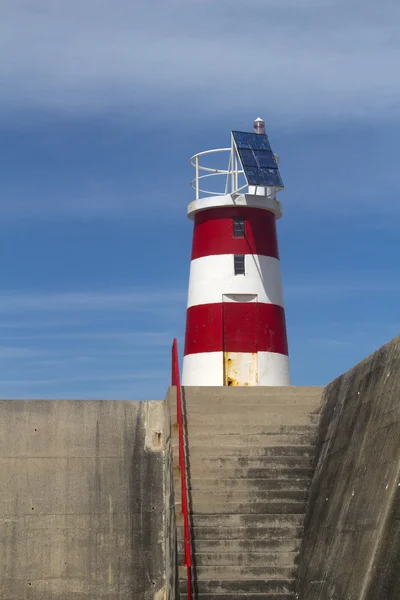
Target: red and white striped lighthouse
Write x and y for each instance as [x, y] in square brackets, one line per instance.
[235, 324]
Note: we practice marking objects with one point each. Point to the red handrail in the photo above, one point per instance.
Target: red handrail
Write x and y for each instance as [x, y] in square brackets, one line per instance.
[175, 380]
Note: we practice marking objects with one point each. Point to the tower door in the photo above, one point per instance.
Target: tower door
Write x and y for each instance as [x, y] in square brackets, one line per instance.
[240, 339]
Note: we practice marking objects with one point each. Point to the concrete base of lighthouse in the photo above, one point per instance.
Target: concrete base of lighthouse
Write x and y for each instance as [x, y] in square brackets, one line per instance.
[213, 369]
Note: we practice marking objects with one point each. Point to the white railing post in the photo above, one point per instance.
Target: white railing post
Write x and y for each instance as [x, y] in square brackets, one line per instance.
[236, 173]
[231, 174]
[197, 177]
[228, 174]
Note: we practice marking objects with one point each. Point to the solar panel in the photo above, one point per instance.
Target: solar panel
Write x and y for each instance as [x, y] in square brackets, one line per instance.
[253, 141]
[257, 158]
[263, 176]
[258, 161]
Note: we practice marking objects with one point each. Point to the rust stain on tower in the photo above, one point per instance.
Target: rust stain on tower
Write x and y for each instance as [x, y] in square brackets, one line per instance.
[240, 369]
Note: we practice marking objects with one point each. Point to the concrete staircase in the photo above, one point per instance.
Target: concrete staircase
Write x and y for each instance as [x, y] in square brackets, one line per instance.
[250, 453]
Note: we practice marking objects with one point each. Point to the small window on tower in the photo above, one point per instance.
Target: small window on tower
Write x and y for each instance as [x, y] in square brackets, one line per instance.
[239, 264]
[238, 227]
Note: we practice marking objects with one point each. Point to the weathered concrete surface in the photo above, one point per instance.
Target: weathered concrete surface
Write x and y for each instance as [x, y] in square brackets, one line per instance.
[249, 455]
[81, 500]
[351, 547]
[171, 566]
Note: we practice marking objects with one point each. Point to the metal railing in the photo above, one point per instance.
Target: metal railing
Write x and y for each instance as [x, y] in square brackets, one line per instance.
[231, 180]
[175, 380]
[231, 174]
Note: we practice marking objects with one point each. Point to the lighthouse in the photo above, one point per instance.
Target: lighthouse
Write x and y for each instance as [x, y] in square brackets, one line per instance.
[235, 321]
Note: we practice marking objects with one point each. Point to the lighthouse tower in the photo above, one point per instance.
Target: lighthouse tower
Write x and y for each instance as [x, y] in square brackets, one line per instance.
[235, 322]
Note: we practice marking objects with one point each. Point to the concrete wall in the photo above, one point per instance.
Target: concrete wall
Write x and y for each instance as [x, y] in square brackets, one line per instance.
[351, 547]
[82, 496]
[171, 574]
[87, 505]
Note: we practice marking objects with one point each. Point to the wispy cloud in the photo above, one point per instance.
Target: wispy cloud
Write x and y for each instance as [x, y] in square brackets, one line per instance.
[130, 300]
[154, 339]
[307, 58]
[341, 287]
[87, 344]
[38, 322]
[13, 353]
[93, 307]
[95, 377]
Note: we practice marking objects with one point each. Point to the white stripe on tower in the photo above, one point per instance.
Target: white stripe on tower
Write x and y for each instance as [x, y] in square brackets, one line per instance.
[235, 324]
[207, 368]
[212, 276]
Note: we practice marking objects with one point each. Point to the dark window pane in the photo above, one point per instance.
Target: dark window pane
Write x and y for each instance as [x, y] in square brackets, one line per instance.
[238, 227]
[271, 177]
[253, 176]
[265, 159]
[239, 264]
[251, 140]
[263, 176]
[257, 158]
[248, 158]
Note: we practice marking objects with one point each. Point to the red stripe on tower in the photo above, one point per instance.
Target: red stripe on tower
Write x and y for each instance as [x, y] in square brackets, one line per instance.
[214, 232]
[242, 327]
[235, 326]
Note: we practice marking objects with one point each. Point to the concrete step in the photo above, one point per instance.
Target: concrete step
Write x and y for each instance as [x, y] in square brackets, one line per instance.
[255, 406]
[263, 521]
[206, 430]
[223, 507]
[220, 462]
[251, 472]
[255, 559]
[254, 409]
[235, 572]
[242, 496]
[247, 440]
[224, 422]
[242, 586]
[244, 596]
[250, 399]
[236, 485]
[303, 416]
[245, 559]
[269, 534]
[201, 450]
[212, 393]
[235, 544]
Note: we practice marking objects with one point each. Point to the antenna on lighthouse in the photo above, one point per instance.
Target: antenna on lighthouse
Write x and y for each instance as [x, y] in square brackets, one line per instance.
[259, 126]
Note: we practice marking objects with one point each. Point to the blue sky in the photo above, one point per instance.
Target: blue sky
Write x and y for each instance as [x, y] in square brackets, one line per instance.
[102, 103]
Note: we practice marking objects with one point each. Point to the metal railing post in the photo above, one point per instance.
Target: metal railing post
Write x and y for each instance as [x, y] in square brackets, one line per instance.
[197, 177]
